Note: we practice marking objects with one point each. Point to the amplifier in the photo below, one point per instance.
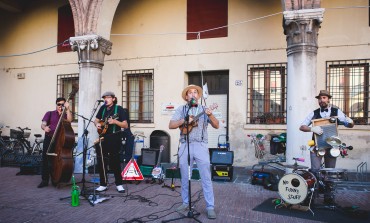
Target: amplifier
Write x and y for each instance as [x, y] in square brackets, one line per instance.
[222, 172]
[220, 157]
[149, 157]
[329, 130]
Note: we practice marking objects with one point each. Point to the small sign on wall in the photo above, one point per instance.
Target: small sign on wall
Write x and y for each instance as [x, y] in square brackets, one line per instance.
[239, 83]
[168, 108]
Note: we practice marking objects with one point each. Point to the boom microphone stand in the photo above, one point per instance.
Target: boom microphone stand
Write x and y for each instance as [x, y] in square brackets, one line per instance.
[84, 152]
[191, 213]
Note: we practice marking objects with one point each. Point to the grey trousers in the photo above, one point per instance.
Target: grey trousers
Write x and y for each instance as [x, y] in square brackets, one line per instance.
[200, 154]
[316, 161]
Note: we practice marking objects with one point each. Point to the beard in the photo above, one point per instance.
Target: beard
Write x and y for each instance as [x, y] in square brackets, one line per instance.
[323, 104]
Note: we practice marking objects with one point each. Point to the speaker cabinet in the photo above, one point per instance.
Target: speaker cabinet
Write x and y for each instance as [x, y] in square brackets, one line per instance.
[149, 157]
[220, 157]
[222, 172]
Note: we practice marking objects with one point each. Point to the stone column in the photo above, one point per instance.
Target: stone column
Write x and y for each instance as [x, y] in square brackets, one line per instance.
[91, 50]
[301, 29]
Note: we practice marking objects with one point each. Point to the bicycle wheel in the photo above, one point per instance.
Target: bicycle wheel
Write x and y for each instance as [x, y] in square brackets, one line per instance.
[18, 148]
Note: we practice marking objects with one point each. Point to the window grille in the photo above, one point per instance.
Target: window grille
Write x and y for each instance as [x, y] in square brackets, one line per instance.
[266, 93]
[65, 85]
[348, 83]
[138, 95]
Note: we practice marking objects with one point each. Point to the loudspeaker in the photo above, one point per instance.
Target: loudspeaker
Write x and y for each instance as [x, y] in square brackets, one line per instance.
[149, 157]
[220, 157]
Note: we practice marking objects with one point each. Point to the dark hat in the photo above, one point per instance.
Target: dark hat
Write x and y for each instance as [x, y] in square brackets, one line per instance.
[185, 91]
[108, 93]
[323, 93]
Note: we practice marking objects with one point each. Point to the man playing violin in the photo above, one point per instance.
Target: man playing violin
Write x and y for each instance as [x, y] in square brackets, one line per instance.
[109, 121]
[198, 145]
[325, 111]
[48, 125]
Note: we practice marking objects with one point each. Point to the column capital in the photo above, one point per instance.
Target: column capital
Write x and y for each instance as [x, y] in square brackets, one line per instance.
[301, 28]
[91, 49]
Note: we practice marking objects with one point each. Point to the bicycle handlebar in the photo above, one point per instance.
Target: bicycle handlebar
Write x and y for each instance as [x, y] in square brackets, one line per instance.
[22, 129]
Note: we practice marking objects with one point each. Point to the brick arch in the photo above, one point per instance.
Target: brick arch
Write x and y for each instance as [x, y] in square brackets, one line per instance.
[93, 16]
[290, 5]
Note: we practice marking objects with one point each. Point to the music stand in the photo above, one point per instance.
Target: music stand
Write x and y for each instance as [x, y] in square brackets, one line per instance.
[190, 213]
[172, 186]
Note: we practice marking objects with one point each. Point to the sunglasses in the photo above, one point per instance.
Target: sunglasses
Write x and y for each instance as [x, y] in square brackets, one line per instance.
[60, 104]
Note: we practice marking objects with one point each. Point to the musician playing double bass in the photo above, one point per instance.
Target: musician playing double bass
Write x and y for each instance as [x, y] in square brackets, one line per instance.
[48, 125]
[109, 121]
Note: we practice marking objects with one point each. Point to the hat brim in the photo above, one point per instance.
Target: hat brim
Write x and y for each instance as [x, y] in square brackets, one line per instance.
[199, 89]
[318, 96]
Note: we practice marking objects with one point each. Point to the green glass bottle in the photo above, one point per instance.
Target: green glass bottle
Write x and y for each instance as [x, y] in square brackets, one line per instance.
[75, 194]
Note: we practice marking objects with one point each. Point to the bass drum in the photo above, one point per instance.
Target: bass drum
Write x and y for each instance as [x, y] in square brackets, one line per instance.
[294, 187]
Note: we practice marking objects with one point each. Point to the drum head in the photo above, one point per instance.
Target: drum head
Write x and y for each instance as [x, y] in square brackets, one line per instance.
[293, 188]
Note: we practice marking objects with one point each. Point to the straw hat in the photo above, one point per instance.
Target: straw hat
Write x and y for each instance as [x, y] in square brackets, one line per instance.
[192, 86]
[323, 93]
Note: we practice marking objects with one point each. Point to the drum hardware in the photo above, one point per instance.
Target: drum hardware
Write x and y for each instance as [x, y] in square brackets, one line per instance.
[295, 166]
[336, 147]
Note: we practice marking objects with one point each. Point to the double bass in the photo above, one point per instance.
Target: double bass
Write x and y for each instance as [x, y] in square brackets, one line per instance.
[60, 150]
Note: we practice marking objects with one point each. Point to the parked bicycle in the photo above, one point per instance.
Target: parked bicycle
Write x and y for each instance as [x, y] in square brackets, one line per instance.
[19, 143]
[37, 145]
[4, 140]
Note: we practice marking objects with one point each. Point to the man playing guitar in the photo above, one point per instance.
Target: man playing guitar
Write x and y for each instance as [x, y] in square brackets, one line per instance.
[198, 145]
[108, 148]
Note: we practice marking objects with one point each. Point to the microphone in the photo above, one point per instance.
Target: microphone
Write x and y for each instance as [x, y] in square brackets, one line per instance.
[192, 102]
[100, 101]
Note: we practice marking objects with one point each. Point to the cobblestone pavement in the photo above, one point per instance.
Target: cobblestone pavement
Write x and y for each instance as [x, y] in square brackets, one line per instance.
[21, 201]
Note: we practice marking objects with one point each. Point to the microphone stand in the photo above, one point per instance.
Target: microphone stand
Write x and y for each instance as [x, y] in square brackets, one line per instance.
[191, 213]
[84, 151]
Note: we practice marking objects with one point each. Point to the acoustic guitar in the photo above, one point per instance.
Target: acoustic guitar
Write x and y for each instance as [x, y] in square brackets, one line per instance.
[187, 129]
[104, 124]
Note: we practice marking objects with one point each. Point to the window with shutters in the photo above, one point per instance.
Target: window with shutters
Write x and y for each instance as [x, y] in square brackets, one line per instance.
[207, 15]
[348, 83]
[266, 94]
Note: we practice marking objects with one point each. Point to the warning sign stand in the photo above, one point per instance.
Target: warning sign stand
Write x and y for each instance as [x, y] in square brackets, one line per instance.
[132, 171]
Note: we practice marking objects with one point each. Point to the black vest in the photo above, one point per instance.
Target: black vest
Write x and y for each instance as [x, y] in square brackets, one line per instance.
[333, 112]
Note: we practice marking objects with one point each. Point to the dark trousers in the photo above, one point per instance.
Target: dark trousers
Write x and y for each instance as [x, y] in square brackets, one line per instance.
[108, 154]
[45, 172]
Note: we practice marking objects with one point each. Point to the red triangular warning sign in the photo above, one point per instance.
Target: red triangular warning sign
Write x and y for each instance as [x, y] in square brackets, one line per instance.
[132, 171]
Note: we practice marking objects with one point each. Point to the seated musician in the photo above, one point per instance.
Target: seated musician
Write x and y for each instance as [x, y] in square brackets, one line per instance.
[109, 121]
[48, 125]
[325, 111]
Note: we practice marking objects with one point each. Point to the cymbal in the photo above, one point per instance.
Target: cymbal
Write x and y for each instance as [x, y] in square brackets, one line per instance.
[294, 166]
[333, 141]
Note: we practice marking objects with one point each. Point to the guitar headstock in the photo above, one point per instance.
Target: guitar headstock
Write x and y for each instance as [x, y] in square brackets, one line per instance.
[213, 106]
[161, 148]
